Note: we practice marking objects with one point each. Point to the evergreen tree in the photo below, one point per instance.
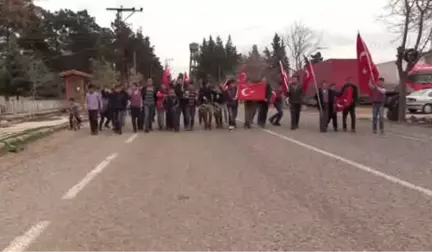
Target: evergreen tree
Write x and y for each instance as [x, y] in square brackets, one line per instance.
[216, 60]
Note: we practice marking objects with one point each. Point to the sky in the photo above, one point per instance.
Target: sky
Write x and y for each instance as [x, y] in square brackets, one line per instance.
[173, 24]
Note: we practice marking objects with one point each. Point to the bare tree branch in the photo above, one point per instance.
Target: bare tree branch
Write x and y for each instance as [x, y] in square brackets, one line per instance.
[412, 18]
[301, 40]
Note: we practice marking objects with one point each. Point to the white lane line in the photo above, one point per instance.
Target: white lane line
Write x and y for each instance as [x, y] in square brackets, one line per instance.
[131, 138]
[359, 166]
[20, 243]
[72, 193]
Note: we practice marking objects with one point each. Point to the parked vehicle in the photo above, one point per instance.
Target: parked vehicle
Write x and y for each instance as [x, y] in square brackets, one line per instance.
[420, 77]
[420, 101]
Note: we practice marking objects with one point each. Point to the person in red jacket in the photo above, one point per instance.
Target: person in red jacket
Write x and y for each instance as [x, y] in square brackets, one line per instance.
[160, 109]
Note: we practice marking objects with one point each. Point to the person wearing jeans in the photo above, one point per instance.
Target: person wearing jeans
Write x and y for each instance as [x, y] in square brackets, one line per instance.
[160, 109]
[149, 100]
[136, 105]
[378, 99]
[191, 106]
[93, 105]
[231, 103]
[278, 104]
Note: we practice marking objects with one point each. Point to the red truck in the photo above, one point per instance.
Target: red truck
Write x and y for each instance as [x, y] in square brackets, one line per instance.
[338, 70]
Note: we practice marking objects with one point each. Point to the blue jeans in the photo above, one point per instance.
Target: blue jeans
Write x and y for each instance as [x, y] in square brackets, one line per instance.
[378, 116]
[149, 110]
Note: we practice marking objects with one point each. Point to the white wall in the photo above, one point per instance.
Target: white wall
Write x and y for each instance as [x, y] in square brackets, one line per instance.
[23, 105]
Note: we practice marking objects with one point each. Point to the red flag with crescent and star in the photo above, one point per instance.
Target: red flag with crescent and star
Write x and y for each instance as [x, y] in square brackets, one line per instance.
[308, 75]
[251, 91]
[284, 78]
[166, 75]
[367, 70]
[344, 100]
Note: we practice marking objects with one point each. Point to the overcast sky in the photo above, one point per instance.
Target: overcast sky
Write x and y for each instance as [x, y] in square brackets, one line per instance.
[173, 24]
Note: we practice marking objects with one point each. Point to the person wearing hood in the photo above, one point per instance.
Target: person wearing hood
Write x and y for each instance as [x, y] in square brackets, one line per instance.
[180, 90]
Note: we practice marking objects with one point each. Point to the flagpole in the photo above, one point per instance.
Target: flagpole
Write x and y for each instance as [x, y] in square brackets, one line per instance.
[316, 85]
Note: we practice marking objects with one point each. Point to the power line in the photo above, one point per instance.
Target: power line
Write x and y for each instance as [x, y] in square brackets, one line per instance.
[125, 69]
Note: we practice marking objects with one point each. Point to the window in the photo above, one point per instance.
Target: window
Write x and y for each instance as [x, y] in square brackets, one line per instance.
[420, 78]
[420, 92]
[430, 94]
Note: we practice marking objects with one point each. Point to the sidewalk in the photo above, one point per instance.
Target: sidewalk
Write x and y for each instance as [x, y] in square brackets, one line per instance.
[25, 126]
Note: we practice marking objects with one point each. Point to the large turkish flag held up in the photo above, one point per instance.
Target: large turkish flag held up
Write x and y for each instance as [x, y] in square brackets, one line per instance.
[251, 91]
[367, 70]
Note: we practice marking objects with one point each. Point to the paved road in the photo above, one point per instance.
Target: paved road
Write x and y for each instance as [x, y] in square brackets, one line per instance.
[270, 189]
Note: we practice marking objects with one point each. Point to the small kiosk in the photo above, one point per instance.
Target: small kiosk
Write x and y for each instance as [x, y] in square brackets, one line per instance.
[75, 85]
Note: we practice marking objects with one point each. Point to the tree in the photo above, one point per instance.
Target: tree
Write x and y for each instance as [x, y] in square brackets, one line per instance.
[14, 76]
[40, 78]
[273, 57]
[411, 18]
[64, 40]
[104, 76]
[255, 65]
[216, 60]
[301, 41]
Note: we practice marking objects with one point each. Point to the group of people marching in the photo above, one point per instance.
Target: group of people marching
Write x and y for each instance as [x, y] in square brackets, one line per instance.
[165, 106]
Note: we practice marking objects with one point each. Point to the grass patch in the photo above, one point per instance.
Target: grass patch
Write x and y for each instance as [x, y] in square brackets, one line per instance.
[18, 142]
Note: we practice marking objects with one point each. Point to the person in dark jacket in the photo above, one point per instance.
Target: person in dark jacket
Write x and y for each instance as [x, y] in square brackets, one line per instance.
[327, 95]
[117, 104]
[191, 106]
[232, 104]
[263, 107]
[123, 111]
[171, 105]
[205, 109]
[350, 109]
[105, 114]
[180, 90]
[218, 101]
[295, 96]
[278, 104]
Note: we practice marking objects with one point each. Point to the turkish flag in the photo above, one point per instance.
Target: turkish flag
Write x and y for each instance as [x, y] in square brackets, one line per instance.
[284, 78]
[186, 78]
[251, 91]
[166, 75]
[308, 75]
[367, 70]
[344, 100]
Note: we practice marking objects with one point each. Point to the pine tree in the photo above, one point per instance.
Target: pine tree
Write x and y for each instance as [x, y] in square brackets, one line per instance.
[216, 60]
[232, 57]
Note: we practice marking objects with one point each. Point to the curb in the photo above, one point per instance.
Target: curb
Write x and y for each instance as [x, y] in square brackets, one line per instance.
[17, 143]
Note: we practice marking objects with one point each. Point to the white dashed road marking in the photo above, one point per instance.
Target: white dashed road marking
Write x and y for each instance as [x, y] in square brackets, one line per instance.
[91, 175]
[131, 138]
[20, 243]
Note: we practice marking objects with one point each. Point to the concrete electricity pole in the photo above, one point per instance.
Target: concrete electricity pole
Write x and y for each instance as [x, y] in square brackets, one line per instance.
[120, 12]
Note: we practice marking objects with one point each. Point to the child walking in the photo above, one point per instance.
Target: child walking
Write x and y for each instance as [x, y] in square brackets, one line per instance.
[172, 111]
[160, 109]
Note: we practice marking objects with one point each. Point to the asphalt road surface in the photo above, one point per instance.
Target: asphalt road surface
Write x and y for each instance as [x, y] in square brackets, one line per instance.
[271, 189]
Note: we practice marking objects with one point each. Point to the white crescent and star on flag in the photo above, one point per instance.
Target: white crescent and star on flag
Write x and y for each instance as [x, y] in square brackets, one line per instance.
[361, 55]
[247, 92]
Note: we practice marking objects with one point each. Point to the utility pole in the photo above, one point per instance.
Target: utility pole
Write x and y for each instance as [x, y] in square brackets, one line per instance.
[120, 11]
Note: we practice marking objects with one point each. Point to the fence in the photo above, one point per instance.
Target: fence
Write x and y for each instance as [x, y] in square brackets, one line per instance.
[23, 105]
